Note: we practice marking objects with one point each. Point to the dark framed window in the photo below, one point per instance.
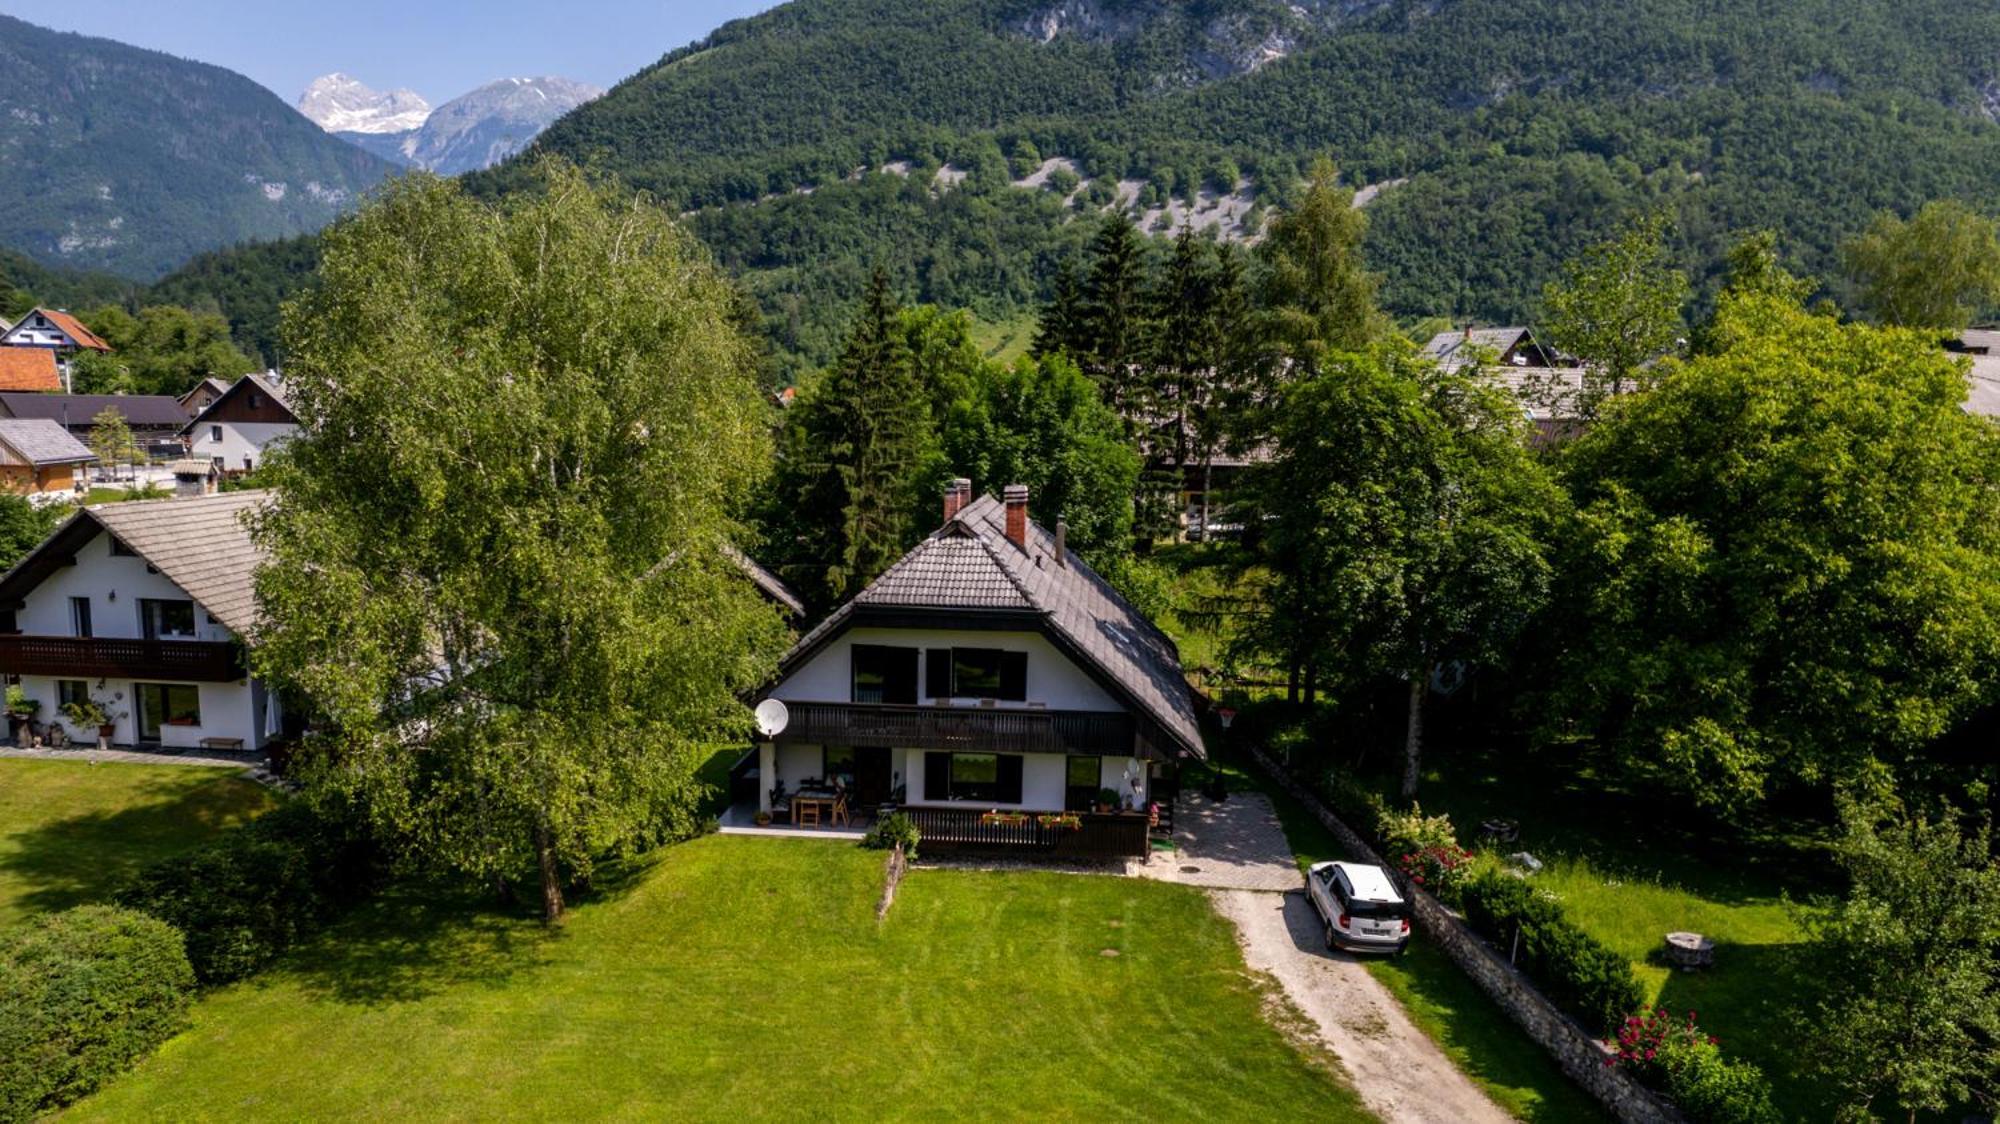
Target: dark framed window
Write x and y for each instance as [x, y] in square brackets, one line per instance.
[977, 673]
[838, 761]
[1082, 777]
[215, 434]
[71, 691]
[983, 778]
[884, 674]
[119, 549]
[79, 616]
[158, 618]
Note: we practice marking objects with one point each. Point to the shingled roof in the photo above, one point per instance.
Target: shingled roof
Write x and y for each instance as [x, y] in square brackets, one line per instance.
[29, 368]
[970, 564]
[200, 544]
[39, 441]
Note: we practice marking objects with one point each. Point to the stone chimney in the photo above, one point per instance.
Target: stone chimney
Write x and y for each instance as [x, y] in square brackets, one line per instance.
[1062, 544]
[957, 494]
[1016, 496]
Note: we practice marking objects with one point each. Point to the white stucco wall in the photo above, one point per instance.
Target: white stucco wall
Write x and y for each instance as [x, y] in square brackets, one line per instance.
[1053, 680]
[115, 584]
[228, 710]
[238, 440]
[1043, 781]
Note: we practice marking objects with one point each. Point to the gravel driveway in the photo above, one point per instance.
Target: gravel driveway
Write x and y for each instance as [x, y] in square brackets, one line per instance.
[1237, 850]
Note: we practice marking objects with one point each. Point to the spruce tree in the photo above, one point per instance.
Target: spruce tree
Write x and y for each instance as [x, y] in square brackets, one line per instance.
[857, 449]
[1060, 330]
[1114, 325]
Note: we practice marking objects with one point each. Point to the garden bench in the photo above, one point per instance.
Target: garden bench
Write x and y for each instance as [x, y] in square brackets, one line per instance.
[222, 743]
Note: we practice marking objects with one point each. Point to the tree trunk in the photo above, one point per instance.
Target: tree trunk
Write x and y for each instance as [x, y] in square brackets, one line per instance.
[1413, 740]
[552, 895]
[1292, 681]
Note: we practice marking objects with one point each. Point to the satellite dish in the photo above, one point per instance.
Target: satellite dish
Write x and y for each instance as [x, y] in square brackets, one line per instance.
[772, 717]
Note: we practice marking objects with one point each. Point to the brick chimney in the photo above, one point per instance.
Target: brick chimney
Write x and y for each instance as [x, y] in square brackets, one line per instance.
[1016, 496]
[957, 494]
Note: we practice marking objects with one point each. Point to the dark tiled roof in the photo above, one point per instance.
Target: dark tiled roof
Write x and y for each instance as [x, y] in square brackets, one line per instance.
[147, 411]
[970, 564]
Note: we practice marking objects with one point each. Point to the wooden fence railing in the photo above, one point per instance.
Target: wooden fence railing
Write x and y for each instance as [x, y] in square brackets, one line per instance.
[1095, 836]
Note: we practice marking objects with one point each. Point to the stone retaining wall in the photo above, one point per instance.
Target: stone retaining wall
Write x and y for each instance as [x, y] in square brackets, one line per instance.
[1579, 1053]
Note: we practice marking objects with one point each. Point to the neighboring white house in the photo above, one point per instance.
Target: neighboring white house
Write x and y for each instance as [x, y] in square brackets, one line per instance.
[988, 671]
[236, 429]
[55, 331]
[143, 607]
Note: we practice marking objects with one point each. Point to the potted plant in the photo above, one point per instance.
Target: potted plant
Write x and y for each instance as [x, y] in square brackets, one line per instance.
[1107, 800]
[763, 818]
[87, 713]
[20, 711]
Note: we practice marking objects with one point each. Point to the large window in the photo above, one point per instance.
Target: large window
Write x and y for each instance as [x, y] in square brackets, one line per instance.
[1082, 777]
[978, 673]
[79, 616]
[167, 704]
[167, 619]
[983, 778]
[71, 691]
[884, 675]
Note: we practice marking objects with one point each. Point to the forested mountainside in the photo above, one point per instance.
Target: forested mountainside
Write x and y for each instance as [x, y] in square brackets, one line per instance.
[121, 159]
[958, 142]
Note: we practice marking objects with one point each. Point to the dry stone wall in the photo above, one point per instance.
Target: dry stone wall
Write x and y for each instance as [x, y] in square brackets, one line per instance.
[1579, 1053]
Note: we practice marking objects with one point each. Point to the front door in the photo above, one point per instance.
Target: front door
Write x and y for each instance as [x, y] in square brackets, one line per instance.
[872, 775]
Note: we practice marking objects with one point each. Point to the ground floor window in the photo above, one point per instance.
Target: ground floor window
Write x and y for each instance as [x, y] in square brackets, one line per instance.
[166, 704]
[1082, 779]
[71, 691]
[984, 778]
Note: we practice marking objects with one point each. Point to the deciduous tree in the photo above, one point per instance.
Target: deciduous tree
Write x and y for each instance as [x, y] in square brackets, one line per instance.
[497, 566]
[1786, 560]
[1617, 308]
[1911, 963]
[1317, 291]
[1937, 270]
[1404, 520]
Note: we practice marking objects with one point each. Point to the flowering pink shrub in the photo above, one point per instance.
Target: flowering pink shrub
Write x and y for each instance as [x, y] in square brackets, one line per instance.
[1440, 868]
[1675, 1056]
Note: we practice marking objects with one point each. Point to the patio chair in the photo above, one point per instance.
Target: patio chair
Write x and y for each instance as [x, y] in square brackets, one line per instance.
[840, 810]
[806, 814]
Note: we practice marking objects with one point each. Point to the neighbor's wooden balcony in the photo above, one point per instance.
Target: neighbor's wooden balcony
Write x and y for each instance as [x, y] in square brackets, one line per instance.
[98, 657]
[973, 729]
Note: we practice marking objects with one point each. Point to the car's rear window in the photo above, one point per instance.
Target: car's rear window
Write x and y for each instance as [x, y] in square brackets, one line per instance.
[1358, 908]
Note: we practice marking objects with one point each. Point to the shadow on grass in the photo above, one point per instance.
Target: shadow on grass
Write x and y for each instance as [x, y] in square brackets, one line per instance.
[419, 938]
[1750, 1001]
[415, 941]
[64, 862]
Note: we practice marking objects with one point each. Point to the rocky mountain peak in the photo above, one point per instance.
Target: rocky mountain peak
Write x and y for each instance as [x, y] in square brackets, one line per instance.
[339, 103]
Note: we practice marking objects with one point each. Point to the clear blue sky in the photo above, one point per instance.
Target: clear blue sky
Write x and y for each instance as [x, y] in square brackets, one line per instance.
[439, 48]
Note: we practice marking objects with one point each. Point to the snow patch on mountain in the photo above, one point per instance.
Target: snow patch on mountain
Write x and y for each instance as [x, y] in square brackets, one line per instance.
[342, 104]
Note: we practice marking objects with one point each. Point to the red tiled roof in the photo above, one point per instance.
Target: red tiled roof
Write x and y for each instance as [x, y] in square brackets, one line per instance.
[74, 329]
[28, 368]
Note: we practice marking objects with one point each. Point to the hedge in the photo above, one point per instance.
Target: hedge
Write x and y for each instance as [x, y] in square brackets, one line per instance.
[83, 994]
[256, 891]
[1576, 971]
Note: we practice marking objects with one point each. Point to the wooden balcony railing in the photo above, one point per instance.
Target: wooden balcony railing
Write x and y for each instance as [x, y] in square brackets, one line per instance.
[1097, 837]
[96, 657]
[976, 729]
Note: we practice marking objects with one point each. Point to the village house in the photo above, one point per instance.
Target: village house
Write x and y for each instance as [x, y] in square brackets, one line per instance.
[56, 332]
[203, 393]
[144, 609]
[236, 428]
[1548, 384]
[990, 686]
[39, 457]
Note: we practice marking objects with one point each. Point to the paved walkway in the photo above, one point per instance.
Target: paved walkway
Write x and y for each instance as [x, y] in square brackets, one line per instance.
[1237, 850]
[1235, 845]
[253, 763]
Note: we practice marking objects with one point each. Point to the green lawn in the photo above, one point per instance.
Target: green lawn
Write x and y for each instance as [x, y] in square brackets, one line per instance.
[746, 978]
[1630, 876]
[71, 831]
[1443, 1002]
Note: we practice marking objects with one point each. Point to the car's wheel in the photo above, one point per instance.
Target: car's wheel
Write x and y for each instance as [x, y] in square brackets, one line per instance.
[1330, 945]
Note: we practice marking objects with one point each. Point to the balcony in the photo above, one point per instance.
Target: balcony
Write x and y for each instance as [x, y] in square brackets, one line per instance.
[973, 729]
[98, 657]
